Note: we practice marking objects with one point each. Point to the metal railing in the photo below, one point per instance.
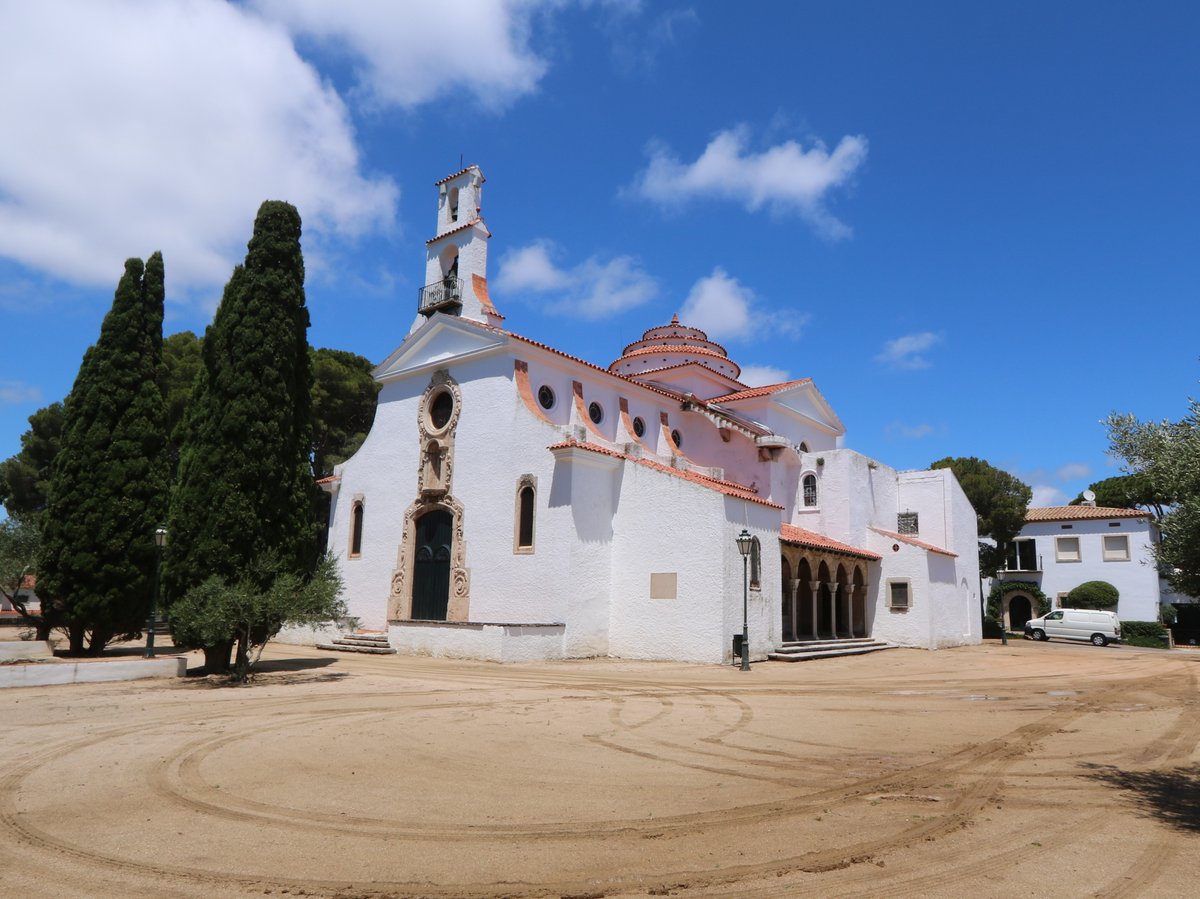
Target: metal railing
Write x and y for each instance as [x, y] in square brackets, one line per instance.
[446, 292]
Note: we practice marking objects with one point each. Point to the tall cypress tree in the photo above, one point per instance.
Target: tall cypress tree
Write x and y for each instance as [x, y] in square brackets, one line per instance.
[242, 505]
[108, 490]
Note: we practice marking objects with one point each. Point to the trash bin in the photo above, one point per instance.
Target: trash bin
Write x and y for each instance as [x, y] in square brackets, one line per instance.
[737, 649]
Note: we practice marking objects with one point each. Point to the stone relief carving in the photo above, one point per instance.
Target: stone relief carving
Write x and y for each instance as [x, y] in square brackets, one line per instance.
[435, 475]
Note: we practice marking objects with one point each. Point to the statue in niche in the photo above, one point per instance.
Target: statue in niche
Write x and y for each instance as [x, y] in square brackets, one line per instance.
[433, 469]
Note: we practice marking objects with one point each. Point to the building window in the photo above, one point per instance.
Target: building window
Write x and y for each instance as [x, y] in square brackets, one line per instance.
[639, 427]
[677, 439]
[1066, 549]
[1116, 547]
[454, 204]
[356, 529]
[526, 497]
[899, 594]
[1022, 556]
[906, 523]
[803, 447]
[441, 407]
[755, 564]
[545, 397]
[596, 413]
[810, 490]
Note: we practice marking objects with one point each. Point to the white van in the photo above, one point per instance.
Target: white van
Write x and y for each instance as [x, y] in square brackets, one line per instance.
[1101, 628]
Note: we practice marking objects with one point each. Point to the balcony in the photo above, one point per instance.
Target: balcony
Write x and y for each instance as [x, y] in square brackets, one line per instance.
[440, 296]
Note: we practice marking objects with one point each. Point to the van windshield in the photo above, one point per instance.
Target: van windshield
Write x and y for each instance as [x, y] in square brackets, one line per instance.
[1055, 616]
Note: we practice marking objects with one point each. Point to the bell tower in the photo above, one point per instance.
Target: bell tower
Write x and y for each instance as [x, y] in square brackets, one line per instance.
[456, 257]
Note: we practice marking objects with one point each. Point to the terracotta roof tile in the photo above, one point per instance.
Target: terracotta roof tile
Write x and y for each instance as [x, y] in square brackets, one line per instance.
[463, 227]
[800, 537]
[454, 175]
[726, 487]
[332, 479]
[1077, 513]
[913, 541]
[752, 392]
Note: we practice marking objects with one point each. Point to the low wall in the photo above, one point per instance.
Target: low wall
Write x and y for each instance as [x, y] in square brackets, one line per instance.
[42, 674]
[478, 640]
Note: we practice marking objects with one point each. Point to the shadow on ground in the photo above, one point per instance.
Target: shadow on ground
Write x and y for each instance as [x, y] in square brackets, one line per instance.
[273, 672]
[1172, 797]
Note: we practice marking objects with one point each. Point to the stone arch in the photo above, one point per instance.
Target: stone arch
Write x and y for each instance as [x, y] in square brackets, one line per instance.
[806, 622]
[824, 599]
[1018, 609]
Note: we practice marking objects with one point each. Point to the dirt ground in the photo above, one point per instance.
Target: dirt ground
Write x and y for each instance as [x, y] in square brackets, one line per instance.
[1027, 770]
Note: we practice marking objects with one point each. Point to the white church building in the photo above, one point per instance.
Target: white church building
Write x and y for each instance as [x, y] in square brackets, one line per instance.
[514, 502]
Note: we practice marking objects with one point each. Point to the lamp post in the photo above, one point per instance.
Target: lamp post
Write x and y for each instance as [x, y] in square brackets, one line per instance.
[1000, 598]
[744, 544]
[160, 540]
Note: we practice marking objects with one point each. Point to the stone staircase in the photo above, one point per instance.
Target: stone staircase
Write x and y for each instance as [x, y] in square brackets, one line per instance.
[807, 650]
[375, 643]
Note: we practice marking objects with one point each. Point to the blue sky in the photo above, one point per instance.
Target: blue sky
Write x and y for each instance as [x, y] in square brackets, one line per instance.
[975, 226]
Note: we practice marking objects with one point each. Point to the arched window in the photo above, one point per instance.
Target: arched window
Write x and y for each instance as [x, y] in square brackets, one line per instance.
[453, 200]
[810, 490]
[755, 564]
[526, 497]
[356, 529]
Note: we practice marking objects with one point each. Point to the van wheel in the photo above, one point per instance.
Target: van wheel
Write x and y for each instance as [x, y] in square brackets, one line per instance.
[1099, 640]
[1039, 634]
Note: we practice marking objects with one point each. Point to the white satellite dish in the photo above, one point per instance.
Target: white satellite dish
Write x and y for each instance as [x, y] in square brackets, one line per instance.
[1089, 496]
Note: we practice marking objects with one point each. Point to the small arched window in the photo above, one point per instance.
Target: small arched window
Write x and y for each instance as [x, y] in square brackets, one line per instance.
[810, 490]
[453, 200]
[755, 564]
[803, 447]
[526, 497]
[356, 529]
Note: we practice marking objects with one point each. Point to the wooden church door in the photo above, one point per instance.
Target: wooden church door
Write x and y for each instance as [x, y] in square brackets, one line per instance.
[431, 566]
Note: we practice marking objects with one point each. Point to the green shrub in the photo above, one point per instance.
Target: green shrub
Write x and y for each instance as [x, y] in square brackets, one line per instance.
[1144, 633]
[1093, 595]
[1167, 613]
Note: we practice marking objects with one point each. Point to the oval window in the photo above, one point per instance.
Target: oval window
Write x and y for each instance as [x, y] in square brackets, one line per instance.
[677, 439]
[546, 397]
[639, 427]
[596, 413]
[440, 410]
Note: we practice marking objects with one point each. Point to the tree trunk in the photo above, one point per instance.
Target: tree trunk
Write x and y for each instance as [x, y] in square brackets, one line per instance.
[216, 658]
[97, 642]
[75, 635]
[241, 668]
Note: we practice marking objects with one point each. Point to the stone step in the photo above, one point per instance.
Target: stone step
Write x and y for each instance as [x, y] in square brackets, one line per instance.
[346, 646]
[364, 639]
[822, 642]
[829, 651]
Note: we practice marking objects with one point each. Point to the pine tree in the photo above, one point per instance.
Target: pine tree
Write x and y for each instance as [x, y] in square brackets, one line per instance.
[242, 505]
[108, 490]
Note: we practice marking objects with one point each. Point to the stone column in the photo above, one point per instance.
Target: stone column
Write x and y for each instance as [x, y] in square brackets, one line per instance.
[833, 608]
[815, 587]
[850, 609]
[795, 591]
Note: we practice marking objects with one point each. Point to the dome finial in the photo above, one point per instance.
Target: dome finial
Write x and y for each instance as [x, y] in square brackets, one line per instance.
[675, 319]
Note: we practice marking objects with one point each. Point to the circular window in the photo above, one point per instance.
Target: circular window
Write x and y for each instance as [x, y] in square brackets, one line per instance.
[596, 413]
[440, 410]
[546, 397]
[677, 439]
[639, 427]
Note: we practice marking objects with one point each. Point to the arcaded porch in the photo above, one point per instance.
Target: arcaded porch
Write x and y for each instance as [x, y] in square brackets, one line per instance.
[824, 586]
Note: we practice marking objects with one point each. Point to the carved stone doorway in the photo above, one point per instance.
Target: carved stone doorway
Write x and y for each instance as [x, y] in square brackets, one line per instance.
[431, 565]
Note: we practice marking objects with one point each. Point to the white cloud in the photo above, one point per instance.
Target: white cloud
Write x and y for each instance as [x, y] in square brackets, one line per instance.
[762, 375]
[593, 289]
[14, 393]
[898, 429]
[720, 306]
[409, 53]
[786, 178]
[908, 351]
[164, 126]
[1073, 471]
[1047, 495]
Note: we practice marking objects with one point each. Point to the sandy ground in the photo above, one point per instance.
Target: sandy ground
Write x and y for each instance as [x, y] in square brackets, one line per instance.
[1031, 770]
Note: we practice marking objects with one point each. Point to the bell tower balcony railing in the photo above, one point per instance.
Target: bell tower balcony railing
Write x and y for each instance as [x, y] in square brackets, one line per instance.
[442, 295]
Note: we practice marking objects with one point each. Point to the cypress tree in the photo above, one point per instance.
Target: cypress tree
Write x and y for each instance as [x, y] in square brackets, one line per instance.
[242, 505]
[108, 489]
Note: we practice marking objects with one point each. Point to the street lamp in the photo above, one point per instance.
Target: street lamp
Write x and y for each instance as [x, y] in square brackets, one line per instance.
[744, 544]
[160, 540]
[1000, 600]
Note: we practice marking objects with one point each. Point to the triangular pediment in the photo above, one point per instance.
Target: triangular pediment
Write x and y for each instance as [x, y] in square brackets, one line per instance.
[689, 377]
[440, 341]
[806, 401]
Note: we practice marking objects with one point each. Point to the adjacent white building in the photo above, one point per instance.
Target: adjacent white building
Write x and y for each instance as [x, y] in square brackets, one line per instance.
[515, 502]
[1061, 547]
